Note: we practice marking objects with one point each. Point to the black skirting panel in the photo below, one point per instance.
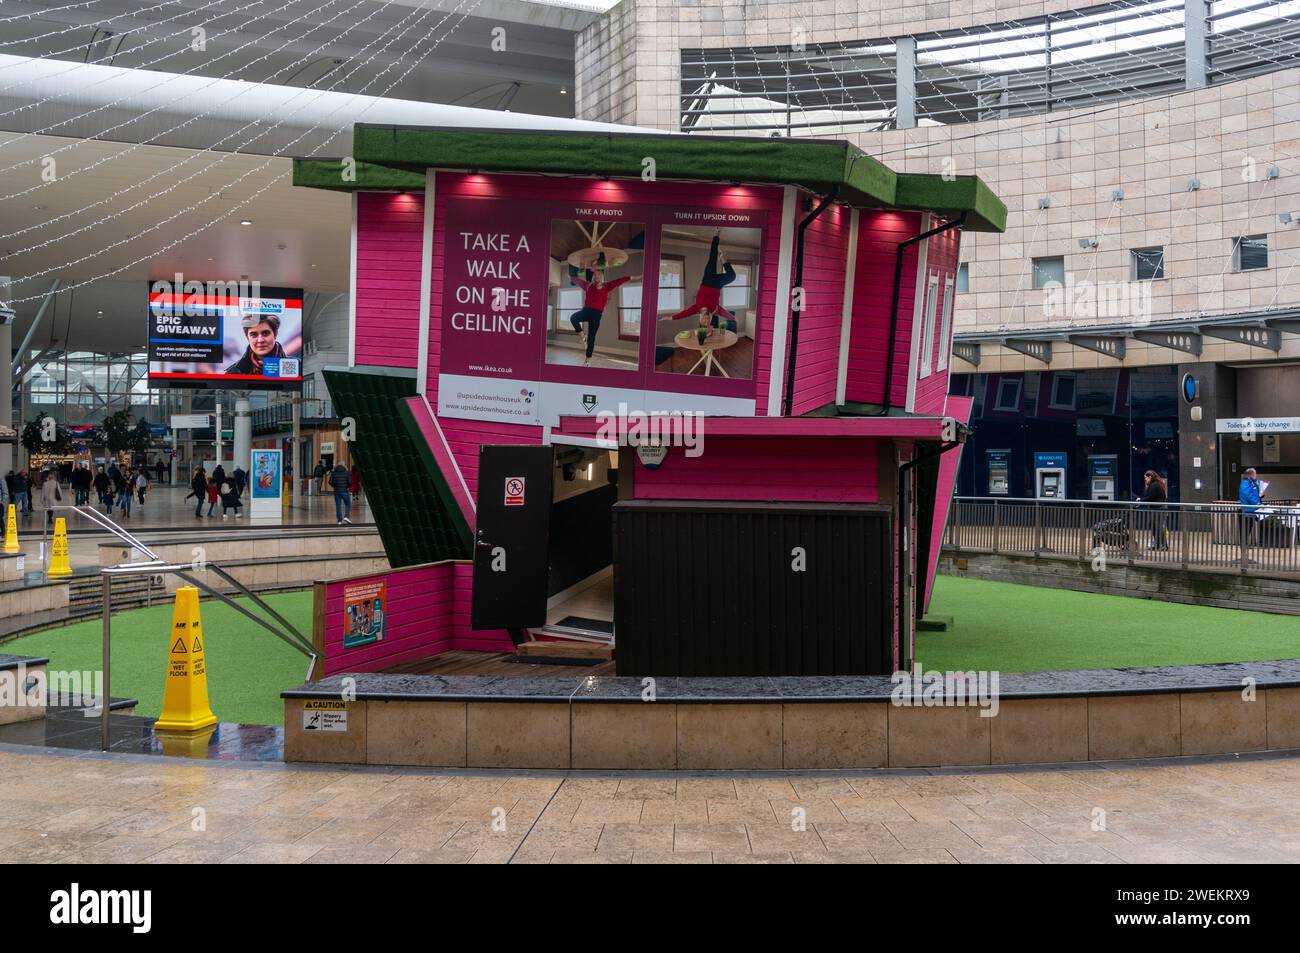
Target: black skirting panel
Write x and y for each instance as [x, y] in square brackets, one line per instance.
[752, 589]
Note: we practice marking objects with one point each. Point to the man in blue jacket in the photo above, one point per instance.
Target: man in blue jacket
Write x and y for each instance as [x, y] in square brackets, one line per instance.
[1250, 497]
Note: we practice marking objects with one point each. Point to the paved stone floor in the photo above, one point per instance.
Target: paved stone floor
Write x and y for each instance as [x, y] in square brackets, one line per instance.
[97, 809]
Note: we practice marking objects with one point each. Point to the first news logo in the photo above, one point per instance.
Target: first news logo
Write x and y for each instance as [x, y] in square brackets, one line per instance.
[77, 906]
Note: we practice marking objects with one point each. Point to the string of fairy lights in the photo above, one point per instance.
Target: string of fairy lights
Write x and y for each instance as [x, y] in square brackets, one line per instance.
[274, 180]
[193, 156]
[103, 134]
[939, 56]
[1172, 18]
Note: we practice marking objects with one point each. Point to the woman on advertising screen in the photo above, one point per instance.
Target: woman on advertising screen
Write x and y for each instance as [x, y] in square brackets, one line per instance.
[261, 331]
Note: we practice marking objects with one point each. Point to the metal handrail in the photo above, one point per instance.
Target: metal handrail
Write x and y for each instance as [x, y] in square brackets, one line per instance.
[156, 566]
[137, 544]
[1259, 538]
[1223, 506]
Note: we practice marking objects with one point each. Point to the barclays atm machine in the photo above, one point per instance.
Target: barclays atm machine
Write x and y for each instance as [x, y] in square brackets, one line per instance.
[999, 472]
[1049, 476]
[1103, 468]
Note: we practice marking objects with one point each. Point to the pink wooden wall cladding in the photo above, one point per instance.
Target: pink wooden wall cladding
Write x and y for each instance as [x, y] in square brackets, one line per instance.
[784, 469]
[817, 361]
[940, 261]
[879, 233]
[390, 240]
[427, 613]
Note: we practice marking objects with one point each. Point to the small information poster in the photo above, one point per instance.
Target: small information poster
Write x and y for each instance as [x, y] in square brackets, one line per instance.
[266, 485]
[364, 605]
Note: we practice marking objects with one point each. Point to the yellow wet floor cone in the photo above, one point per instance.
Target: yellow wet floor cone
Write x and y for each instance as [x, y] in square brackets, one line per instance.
[185, 696]
[11, 532]
[59, 565]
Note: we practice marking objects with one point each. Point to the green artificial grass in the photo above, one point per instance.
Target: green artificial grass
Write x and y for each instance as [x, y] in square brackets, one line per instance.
[1010, 628]
[247, 666]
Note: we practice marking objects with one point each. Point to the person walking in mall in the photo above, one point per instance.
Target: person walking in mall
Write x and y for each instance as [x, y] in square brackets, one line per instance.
[125, 491]
[81, 484]
[198, 490]
[1156, 494]
[212, 493]
[341, 480]
[1251, 496]
[141, 484]
[230, 502]
[240, 480]
[160, 469]
[23, 492]
[318, 477]
[51, 495]
[101, 483]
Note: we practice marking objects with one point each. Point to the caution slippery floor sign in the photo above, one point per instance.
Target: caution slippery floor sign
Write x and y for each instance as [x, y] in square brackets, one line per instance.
[185, 695]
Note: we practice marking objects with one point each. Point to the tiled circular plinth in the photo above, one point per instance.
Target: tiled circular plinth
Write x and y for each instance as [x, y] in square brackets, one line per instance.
[796, 723]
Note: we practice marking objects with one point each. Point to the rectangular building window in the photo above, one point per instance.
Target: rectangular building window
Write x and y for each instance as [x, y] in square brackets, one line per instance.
[927, 325]
[1148, 264]
[945, 325]
[1049, 271]
[1063, 392]
[629, 311]
[963, 278]
[1250, 253]
[1008, 396]
[672, 272]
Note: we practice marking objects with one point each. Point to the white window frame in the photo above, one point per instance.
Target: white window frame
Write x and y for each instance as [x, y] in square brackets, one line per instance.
[998, 406]
[1053, 402]
[945, 323]
[927, 325]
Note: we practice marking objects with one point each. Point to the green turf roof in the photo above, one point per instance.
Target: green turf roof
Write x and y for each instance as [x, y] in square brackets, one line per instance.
[413, 508]
[335, 174]
[951, 196]
[389, 156]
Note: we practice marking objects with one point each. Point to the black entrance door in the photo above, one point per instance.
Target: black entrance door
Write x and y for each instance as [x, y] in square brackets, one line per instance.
[511, 542]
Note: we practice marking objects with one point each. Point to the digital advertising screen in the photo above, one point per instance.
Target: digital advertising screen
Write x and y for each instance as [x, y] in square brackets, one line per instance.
[239, 335]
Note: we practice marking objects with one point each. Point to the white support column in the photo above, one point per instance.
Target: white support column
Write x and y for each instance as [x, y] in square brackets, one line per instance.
[243, 433]
[295, 461]
[905, 83]
[217, 435]
[1195, 29]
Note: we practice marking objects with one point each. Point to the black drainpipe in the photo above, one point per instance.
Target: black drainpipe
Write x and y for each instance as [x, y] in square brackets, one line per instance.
[893, 302]
[798, 283]
[903, 557]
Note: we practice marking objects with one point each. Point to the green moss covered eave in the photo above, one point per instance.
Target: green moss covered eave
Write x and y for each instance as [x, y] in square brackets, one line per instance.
[952, 195]
[367, 176]
[812, 164]
[395, 158]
